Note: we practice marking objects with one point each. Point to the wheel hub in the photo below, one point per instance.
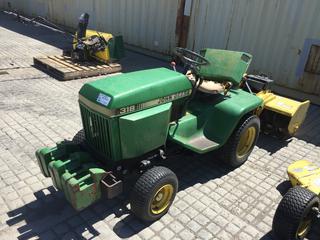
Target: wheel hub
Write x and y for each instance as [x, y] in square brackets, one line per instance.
[246, 142]
[162, 199]
[159, 197]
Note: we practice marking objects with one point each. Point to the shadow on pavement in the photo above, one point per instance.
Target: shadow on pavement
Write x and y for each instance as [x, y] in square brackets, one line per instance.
[51, 209]
[34, 31]
[283, 187]
[42, 214]
[270, 143]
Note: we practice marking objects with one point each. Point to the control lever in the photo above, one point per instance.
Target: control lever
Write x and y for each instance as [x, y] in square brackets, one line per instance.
[173, 65]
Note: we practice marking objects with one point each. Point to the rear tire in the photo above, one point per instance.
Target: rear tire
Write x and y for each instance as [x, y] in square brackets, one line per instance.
[241, 143]
[153, 193]
[293, 218]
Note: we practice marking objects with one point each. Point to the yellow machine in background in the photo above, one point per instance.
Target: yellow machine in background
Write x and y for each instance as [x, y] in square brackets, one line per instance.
[305, 174]
[103, 55]
[91, 44]
[299, 208]
[279, 116]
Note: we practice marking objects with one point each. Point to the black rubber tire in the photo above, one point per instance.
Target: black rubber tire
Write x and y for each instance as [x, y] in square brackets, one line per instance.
[295, 206]
[79, 138]
[229, 151]
[146, 187]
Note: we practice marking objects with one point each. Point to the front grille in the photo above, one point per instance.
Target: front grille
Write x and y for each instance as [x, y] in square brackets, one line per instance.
[97, 132]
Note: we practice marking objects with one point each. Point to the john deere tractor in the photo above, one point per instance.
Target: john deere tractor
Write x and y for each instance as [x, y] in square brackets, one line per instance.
[133, 121]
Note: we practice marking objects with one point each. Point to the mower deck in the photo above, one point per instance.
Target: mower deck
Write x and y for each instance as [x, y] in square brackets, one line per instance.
[63, 68]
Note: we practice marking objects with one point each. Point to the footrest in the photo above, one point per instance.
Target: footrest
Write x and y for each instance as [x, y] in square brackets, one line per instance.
[188, 134]
[202, 143]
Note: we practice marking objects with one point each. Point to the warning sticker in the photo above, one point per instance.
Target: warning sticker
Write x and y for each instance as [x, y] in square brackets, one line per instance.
[103, 99]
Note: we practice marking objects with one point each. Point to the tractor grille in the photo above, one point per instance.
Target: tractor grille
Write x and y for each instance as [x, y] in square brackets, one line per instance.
[97, 132]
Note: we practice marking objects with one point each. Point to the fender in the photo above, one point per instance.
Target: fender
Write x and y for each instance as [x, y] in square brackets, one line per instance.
[226, 114]
[211, 121]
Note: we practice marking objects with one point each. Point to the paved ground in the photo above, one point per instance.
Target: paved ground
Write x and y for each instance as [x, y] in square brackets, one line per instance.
[212, 203]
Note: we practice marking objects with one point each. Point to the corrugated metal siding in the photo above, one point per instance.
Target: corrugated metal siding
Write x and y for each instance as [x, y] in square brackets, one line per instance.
[273, 31]
[278, 33]
[148, 24]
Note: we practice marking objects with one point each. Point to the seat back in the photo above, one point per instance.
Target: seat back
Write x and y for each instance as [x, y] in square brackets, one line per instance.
[225, 65]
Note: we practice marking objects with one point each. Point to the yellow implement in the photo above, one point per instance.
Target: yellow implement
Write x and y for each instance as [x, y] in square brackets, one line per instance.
[305, 174]
[102, 56]
[295, 112]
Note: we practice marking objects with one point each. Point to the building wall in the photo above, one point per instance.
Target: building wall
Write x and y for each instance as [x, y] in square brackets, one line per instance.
[282, 35]
[278, 33]
[149, 24]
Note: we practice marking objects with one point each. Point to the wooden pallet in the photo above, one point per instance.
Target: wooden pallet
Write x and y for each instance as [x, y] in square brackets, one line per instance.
[63, 68]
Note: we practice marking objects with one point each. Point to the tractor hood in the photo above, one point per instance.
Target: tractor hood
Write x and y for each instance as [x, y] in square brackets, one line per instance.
[130, 92]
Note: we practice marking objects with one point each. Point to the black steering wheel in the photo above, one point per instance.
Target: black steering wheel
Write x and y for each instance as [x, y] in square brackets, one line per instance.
[192, 59]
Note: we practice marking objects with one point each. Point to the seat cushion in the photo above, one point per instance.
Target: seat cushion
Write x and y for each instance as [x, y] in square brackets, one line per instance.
[207, 86]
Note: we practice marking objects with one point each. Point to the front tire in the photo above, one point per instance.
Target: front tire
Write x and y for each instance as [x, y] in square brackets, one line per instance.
[293, 217]
[241, 143]
[153, 193]
[79, 138]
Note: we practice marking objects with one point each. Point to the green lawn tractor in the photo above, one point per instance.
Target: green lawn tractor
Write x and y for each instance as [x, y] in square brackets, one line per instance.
[300, 206]
[132, 122]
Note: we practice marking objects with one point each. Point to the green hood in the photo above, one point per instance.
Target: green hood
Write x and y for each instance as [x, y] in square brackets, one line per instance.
[133, 88]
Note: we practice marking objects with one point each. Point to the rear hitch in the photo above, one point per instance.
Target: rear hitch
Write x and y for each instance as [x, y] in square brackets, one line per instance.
[111, 186]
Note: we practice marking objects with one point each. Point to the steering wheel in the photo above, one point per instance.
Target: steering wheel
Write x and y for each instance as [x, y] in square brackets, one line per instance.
[192, 59]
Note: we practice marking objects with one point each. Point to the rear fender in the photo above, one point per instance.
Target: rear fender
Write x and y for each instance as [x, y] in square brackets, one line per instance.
[226, 115]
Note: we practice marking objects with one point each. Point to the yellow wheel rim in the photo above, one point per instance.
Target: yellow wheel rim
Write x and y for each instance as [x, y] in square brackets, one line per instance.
[246, 141]
[303, 228]
[162, 199]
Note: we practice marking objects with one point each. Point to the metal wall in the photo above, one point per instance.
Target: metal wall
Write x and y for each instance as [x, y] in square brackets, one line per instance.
[278, 33]
[149, 24]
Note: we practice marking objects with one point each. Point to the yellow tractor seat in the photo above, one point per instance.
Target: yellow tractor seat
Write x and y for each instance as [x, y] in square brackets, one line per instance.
[207, 86]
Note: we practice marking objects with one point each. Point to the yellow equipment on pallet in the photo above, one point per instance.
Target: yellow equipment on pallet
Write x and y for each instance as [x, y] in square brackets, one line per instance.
[280, 116]
[91, 44]
[103, 55]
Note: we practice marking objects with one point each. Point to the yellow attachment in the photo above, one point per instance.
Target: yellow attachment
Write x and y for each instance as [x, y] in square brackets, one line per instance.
[246, 142]
[295, 110]
[162, 199]
[306, 174]
[102, 56]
